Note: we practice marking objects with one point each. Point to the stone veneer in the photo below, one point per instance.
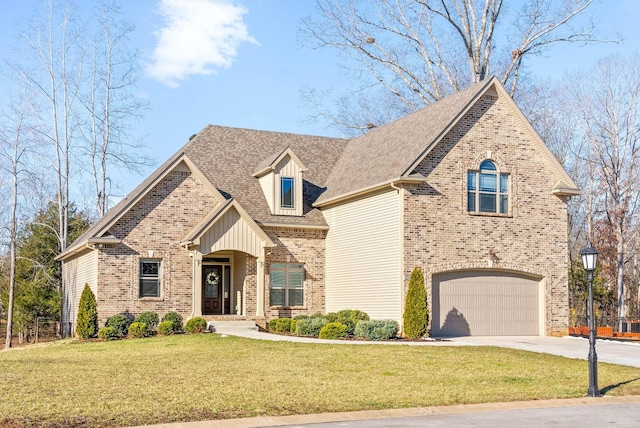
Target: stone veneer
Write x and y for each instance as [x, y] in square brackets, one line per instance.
[440, 235]
[153, 229]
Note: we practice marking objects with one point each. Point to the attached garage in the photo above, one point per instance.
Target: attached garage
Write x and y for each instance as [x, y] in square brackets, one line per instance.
[486, 303]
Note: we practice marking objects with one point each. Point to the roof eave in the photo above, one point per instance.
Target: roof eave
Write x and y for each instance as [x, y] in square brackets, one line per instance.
[410, 179]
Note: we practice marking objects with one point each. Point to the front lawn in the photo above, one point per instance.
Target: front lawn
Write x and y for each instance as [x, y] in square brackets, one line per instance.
[196, 377]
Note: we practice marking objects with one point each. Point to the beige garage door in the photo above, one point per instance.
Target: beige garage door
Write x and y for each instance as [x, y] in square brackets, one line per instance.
[485, 303]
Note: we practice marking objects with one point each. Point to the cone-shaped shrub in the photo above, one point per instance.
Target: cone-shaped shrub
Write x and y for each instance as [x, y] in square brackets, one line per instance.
[416, 311]
[87, 324]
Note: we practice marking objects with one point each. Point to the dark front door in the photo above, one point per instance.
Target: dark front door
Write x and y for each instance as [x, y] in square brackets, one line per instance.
[212, 290]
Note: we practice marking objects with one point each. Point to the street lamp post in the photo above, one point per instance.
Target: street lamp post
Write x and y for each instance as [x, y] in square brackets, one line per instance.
[589, 259]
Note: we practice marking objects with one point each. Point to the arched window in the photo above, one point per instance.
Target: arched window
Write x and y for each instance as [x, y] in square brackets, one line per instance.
[487, 190]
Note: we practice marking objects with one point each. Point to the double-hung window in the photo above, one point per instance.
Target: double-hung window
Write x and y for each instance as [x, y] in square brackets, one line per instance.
[286, 284]
[487, 190]
[150, 278]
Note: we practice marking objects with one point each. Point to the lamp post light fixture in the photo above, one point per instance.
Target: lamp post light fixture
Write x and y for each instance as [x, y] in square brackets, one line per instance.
[589, 260]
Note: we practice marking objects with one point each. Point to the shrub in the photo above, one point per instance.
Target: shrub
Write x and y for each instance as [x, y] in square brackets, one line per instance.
[301, 317]
[333, 330]
[175, 319]
[120, 323]
[331, 317]
[108, 333]
[138, 330]
[280, 325]
[416, 312]
[151, 319]
[165, 328]
[310, 326]
[350, 317]
[377, 329]
[87, 324]
[196, 325]
[292, 328]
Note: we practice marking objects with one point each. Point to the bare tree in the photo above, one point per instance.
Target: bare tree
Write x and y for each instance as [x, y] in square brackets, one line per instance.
[110, 103]
[54, 80]
[14, 149]
[419, 51]
[608, 99]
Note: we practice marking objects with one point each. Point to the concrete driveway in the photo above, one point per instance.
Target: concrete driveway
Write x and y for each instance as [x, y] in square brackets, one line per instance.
[608, 351]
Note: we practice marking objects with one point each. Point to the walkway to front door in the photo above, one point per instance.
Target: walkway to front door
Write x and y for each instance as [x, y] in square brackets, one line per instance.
[216, 284]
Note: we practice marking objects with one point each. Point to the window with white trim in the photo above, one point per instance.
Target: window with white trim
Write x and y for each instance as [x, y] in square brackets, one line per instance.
[150, 278]
[286, 192]
[286, 284]
[487, 190]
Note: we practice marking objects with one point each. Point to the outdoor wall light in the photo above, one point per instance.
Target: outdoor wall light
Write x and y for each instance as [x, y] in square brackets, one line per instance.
[589, 260]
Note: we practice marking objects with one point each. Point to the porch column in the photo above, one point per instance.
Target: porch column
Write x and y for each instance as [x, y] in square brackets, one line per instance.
[197, 284]
[260, 286]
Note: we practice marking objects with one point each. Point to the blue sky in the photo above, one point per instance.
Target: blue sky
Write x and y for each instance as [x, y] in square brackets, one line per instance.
[254, 68]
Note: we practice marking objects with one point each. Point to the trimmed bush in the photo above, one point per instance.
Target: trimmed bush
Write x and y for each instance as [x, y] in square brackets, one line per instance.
[416, 311]
[350, 317]
[175, 319]
[280, 325]
[376, 329]
[151, 319]
[165, 328]
[139, 330]
[120, 323]
[108, 333]
[292, 328]
[196, 325]
[301, 317]
[87, 324]
[333, 330]
[310, 326]
[331, 317]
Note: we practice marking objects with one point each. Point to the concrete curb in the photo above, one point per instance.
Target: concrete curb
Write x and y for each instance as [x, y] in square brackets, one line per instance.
[272, 421]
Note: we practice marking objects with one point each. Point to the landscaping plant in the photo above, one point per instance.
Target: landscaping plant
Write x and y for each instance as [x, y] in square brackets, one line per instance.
[87, 324]
[333, 330]
[151, 319]
[196, 325]
[175, 319]
[416, 311]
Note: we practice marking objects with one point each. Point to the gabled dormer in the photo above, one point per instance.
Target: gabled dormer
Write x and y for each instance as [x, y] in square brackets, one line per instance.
[280, 177]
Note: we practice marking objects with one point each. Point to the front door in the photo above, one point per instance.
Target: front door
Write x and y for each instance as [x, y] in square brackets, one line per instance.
[212, 290]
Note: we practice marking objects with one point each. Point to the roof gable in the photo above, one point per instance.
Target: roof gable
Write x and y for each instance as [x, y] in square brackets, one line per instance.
[271, 163]
[391, 153]
[101, 228]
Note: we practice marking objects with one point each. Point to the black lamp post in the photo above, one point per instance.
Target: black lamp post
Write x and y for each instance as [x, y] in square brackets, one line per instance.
[589, 259]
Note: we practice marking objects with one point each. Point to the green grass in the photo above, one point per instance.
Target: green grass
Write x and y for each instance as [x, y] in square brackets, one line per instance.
[196, 377]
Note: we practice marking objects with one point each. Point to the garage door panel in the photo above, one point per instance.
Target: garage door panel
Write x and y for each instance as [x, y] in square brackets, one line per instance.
[485, 303]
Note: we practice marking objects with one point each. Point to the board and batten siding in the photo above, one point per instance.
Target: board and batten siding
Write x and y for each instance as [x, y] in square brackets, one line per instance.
[77, 272]
[364, 256]
[231, 232]
[288, 168]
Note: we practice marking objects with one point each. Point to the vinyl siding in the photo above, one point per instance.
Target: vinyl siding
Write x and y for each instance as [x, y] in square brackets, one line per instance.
[231, 232]
[76, 273]
[364, 256]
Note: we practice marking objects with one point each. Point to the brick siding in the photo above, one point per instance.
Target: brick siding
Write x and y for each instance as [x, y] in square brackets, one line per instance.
[441, 236]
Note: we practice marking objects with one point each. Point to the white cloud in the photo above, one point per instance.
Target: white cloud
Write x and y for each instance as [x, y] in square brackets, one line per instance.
[199, 36]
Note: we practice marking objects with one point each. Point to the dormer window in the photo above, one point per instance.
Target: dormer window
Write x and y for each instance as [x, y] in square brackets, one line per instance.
[281, 180]
[287, 195]
[487, 190]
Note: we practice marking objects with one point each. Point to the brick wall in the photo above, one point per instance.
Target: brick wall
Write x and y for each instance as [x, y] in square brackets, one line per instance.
[153, 228]
[298, 246]
[439, 233]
